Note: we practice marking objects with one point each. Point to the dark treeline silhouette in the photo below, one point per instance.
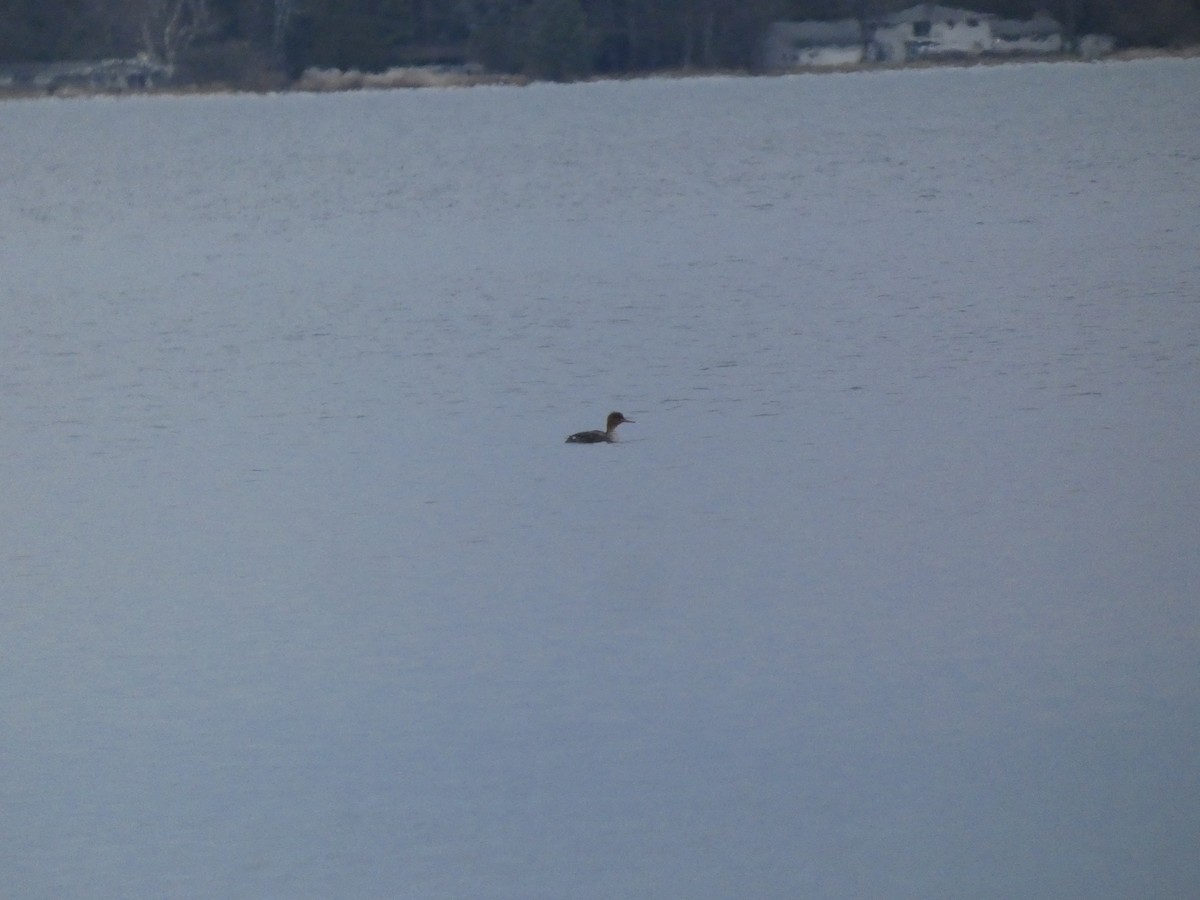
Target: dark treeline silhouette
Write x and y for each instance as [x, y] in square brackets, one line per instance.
[238, 40]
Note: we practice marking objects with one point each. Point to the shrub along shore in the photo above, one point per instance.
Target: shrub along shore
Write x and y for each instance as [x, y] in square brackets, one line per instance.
[318, 80]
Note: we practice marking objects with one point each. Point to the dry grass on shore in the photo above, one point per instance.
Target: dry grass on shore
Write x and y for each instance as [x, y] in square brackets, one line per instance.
[329, 80]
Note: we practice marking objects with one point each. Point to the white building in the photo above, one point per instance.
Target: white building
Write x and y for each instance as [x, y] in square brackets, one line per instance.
[1041, 34]
[919, 32]
[928, 30]
[788, 45]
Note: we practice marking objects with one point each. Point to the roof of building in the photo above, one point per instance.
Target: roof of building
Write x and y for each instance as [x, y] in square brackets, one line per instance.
[932, 12]
[1038, 26]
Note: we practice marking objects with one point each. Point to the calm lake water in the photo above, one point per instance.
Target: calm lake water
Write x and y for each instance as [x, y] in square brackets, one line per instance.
[891, 590]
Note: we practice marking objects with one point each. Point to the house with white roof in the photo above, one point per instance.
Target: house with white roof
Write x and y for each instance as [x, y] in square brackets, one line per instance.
[1041, 34]
[927, 30]
[931, 30]
[789, 45]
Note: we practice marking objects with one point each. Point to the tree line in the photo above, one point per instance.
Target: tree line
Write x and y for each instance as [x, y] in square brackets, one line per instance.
[558, 39]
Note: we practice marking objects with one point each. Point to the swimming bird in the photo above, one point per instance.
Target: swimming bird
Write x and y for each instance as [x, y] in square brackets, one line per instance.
[607, 436]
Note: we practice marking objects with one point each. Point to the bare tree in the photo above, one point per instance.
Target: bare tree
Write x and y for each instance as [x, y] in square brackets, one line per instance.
[170, 26]
[284, 10]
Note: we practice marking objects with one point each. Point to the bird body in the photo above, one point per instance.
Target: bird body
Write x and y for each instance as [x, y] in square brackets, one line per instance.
[607, 436]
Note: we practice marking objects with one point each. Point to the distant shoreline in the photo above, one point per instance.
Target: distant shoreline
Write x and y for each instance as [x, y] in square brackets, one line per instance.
[332, 81]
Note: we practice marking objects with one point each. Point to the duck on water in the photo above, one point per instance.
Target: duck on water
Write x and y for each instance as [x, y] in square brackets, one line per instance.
[607, 436]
